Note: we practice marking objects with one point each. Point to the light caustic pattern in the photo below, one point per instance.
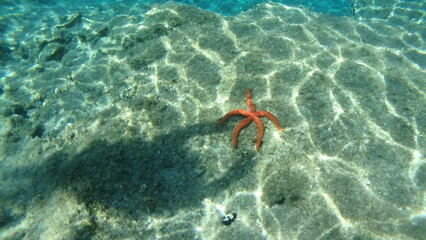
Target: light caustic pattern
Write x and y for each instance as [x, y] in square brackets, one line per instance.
[350, 94]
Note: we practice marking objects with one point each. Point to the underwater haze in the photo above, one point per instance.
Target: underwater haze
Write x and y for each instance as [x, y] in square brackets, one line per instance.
[233, 7]
[134, 119]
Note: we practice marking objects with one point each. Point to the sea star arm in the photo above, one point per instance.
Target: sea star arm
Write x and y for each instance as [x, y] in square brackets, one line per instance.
[244, 123]
[251, 115]
[249, 102]
[260, 130]
[270, 116]
[232, 113]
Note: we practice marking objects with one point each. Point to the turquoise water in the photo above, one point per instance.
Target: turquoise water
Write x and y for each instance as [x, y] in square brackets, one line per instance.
[232, 7]
[109, 115]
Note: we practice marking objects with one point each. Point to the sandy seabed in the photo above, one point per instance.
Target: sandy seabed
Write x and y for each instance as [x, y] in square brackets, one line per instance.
[109, 123]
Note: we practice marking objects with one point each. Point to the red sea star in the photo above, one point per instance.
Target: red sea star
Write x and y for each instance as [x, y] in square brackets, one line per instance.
[251, 115]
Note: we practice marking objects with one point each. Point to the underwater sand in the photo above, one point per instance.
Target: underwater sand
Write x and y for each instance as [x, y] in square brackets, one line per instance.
[109, 123]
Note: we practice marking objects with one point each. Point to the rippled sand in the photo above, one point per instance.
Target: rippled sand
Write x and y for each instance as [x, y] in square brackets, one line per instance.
[109, 124]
